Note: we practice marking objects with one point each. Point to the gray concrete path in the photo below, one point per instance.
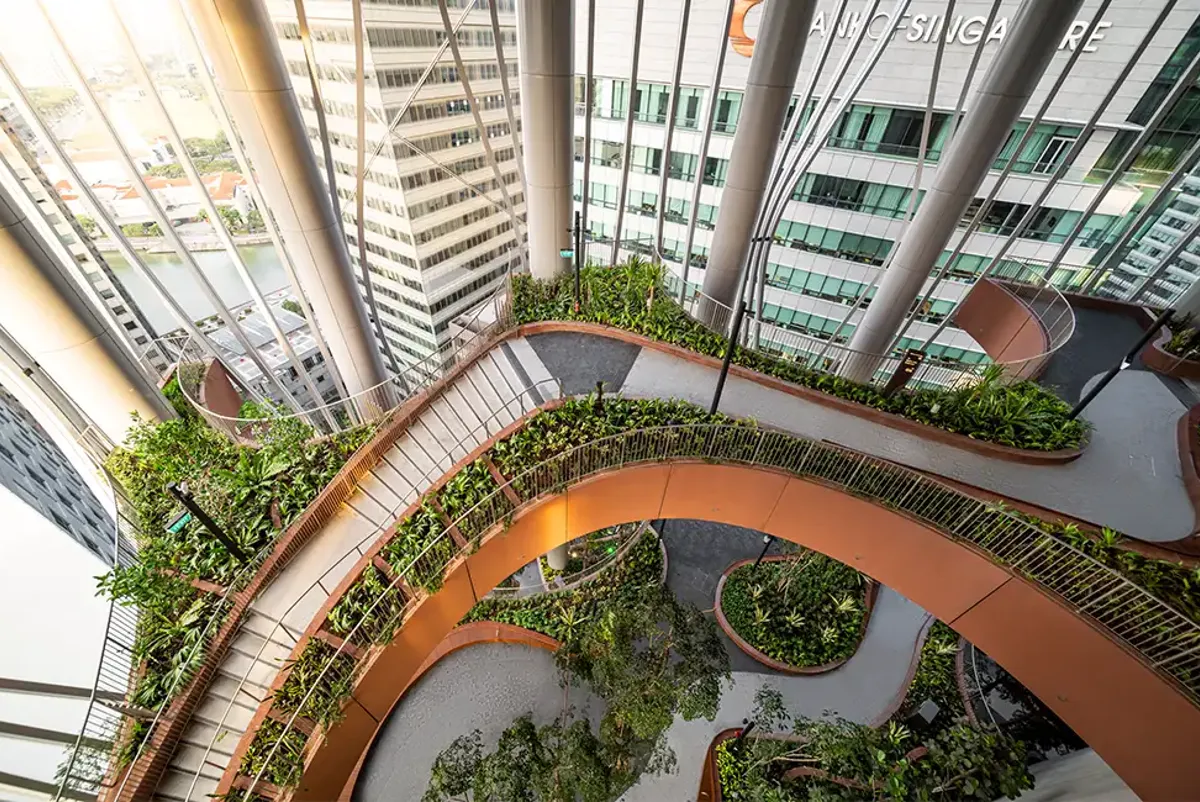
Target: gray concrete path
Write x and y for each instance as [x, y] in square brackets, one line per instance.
[489, 685]
[1128, 478]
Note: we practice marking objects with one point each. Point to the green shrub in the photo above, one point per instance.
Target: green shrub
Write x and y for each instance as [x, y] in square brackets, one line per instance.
[632, 297]
[805, 611]
[935, 676]
[286, 766]
[320, 678]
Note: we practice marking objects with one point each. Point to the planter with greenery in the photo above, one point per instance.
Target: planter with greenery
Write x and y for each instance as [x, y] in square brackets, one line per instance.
[648, 657]
[253, 494]
[1020, 415]
[804, 613]
[834, 760]
[1175, 351]
[587, 554]
[531, 457]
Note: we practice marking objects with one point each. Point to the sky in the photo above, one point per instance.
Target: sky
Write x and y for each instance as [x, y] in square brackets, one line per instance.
[51, 628]
[88, 28]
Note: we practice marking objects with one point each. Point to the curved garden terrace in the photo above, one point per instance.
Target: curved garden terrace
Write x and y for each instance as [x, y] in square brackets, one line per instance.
[651, 368]
[1042, 608]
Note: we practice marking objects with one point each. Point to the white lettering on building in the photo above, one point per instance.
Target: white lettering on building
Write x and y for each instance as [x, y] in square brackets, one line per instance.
[961, 29]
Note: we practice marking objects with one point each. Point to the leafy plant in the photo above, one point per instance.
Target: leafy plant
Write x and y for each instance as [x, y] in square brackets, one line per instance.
[804, 611]
[833, 760]
[935, 678]
[632, 297]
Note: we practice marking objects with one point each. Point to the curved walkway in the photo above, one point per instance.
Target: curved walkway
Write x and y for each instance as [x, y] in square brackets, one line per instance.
[489, 685]
[1132, 456]
[1122, 466]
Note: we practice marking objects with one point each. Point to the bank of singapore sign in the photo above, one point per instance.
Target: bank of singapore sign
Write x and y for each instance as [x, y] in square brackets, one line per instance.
[959, 29]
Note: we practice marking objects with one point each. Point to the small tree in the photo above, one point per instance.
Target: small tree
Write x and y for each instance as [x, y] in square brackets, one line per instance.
[254, 220]
[87, 224]
[231, 218]
[293, 306]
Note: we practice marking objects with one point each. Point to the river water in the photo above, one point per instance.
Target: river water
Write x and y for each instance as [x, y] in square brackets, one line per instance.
[262, 261]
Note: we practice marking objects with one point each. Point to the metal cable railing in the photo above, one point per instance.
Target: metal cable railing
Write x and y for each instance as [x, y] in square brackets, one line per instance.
[627, 536]
[370, 405]
[1049, 310]
[1161, 637]
[514, 406]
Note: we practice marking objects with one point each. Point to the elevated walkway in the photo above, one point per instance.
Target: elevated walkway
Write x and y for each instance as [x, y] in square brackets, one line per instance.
[461, 418]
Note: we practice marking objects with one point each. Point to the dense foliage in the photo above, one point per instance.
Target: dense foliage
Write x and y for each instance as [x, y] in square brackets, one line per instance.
[625, 637]
[1174, 583]
[632, 297]
[638, 573]
[833, 760]
[804, 611]
[252, 493]
[935, 677]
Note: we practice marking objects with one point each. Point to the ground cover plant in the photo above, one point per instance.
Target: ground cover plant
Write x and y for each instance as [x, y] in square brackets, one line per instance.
[805, 611]
[632, 297]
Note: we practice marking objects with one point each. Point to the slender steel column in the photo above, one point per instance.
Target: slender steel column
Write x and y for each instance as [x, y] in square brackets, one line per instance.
[627, 146]
[257, 91]
[545, 52]
[589, 100]
[43, 309]
[714, 91]
[773, 69]
[672, 110]
[1005, 90]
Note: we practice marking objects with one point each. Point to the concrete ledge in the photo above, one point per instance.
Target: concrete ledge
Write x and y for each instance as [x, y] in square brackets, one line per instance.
[869, 594]
[982, 447]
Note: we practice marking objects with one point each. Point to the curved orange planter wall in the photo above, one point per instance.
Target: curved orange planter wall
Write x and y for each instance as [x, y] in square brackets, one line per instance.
[1138, 722]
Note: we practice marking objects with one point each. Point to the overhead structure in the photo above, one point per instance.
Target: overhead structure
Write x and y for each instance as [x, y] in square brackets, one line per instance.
[769, 88]
[996, 106]
[545, 51]
[240, 41]
[44, 311]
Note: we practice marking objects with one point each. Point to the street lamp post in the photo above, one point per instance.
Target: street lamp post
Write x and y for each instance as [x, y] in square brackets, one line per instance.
[181, 494]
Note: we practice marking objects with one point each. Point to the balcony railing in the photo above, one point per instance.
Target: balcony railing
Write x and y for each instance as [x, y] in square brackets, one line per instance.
[1165, 640]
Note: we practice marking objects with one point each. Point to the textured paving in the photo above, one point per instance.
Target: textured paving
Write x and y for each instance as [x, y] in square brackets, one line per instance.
[580, 363]
[1132, 458]
[484, 687]
[487, 686]
[698, 552]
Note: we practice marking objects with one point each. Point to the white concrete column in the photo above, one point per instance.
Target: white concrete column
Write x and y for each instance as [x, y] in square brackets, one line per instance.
[545, 52]
[556, 558]
[996, 105]
[239, 40]
[45, 312]
[769, 86]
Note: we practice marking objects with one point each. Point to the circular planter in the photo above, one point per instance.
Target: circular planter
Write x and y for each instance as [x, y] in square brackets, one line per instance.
[869, 595]
[1155, 357]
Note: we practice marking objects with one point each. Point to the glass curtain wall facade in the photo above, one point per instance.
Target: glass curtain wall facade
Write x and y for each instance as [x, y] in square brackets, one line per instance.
[438, 239]
[848, 210]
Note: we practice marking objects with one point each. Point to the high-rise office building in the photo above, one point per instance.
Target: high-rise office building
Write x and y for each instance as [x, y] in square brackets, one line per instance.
[436, 234]
[34, 469]
[1141, 275]
[848, 209]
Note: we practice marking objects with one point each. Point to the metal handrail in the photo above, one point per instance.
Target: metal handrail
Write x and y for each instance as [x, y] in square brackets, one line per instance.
[825, 356]
[366, 406]
[571, 582]
[425, 482]
[1164, 639]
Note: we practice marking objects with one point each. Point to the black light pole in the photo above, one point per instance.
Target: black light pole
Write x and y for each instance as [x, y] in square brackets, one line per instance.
[578, 231]
[1124, 363]
[734, 329]
[185, 498]
[767, 541]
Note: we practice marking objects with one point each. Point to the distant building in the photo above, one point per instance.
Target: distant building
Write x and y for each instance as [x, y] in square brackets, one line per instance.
[37, 472]
[299, 336]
